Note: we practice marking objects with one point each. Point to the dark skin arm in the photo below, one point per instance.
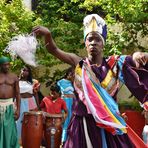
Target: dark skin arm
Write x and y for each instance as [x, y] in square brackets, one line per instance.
[66, 57]
[36, 87]
[35, 93]
[17, 96]
[65, 114]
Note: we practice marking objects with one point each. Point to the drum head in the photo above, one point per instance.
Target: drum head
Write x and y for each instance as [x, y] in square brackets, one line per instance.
[33, 113]
[52, 115]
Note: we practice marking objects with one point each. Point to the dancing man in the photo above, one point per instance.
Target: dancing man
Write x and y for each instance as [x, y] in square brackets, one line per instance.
[96, 120]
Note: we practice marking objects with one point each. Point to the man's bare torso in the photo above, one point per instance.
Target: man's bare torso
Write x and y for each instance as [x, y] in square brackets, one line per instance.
[7, 85]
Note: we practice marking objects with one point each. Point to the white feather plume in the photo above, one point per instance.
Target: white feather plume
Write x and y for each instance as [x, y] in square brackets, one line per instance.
[23, 46]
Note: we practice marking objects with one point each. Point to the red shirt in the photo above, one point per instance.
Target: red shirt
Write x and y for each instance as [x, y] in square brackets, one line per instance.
[53, 106]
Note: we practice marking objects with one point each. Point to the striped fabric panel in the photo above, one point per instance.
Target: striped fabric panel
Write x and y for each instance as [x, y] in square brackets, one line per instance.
[102, 106]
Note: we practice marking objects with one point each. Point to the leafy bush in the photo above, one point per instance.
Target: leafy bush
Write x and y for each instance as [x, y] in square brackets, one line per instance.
[64, 19]
[15, 19]
[130, 105]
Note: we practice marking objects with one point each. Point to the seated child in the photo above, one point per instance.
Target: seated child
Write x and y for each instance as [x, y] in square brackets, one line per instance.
[53, 104]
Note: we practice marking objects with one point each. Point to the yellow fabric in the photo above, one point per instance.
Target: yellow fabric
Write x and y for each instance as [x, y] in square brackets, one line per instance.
[92, 26]
[78, 70]
[107, 79]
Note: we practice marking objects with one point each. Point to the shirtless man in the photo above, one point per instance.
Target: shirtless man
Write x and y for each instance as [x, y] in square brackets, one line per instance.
[9, 89]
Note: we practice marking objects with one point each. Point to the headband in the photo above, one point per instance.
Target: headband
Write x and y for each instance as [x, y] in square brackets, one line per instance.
[4, 60]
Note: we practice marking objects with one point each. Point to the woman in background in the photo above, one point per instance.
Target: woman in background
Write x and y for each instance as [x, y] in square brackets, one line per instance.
[29, 96]
[67, 91]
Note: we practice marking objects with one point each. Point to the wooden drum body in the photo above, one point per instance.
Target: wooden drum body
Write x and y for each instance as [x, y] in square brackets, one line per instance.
[53, 130]
[32, 129]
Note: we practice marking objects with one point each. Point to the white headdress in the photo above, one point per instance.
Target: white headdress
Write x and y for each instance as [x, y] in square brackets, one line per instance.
[23, 46]
[94, 22]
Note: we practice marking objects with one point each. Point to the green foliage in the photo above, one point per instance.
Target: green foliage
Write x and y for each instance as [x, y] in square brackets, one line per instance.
[133, 16]
[14, 20]
[57, 75]
[130, 105]
[64, 19]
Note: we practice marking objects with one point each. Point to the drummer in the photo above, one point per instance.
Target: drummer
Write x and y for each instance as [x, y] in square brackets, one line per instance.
[54, 104]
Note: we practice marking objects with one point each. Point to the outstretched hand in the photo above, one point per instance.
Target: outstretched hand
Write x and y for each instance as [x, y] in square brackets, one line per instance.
[140, 58]
[40, 31]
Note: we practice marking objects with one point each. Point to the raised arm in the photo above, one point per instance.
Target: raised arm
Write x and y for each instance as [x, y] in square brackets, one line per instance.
[66, 57]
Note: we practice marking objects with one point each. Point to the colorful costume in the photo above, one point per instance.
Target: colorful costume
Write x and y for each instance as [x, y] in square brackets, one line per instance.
[66, 89]
[27, 104]
[96, 119]
[8, 132]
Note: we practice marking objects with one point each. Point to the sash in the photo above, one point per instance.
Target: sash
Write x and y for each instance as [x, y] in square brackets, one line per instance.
[101, 105]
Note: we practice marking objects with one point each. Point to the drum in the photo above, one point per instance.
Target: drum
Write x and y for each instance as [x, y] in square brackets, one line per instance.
[32, 129]
[53, 130]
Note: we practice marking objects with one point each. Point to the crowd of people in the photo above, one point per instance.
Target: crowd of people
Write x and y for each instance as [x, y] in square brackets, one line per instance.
[23, 97]
[85, 96]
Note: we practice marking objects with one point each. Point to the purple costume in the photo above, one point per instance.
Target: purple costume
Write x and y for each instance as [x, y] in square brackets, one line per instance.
[82, 121]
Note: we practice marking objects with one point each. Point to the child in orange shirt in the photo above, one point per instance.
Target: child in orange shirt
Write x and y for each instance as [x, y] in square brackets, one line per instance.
[53, 104]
